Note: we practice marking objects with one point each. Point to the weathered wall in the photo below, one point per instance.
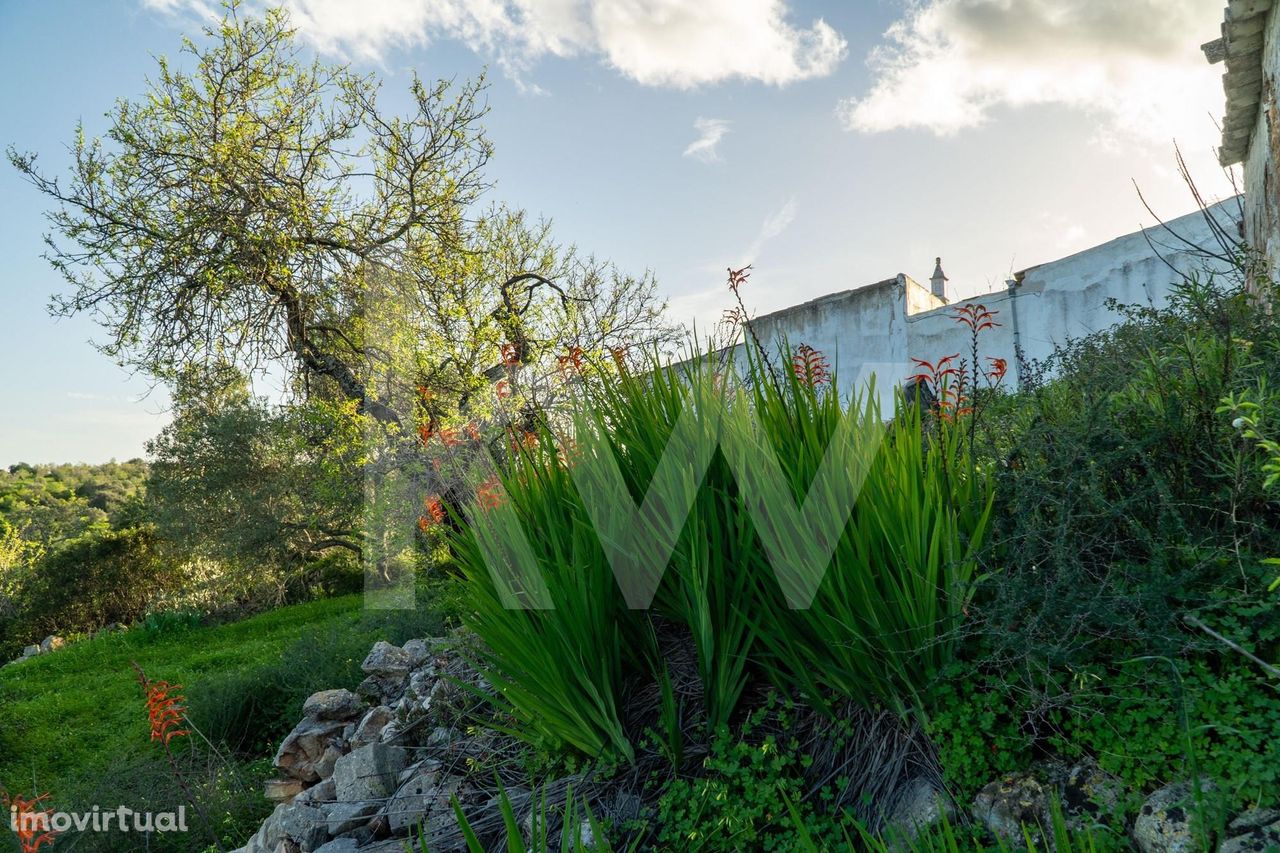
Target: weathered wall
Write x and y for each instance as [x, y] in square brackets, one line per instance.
[1067, 298]
[882, 326]
[1261, 175]
[860, 331]
[1249, 47]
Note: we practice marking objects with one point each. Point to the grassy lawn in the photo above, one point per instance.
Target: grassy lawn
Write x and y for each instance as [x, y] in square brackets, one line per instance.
[72, 714]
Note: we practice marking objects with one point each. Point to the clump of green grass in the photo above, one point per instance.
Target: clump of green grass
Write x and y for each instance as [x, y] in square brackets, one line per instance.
[726, 541]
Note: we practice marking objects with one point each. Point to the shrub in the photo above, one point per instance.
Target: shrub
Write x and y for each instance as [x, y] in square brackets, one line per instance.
[554, 645]
[94, 580]
[1125, 498]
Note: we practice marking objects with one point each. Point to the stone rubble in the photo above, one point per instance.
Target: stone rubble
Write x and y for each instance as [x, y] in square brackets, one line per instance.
[368, 771]
[49, 644]
[362, 771]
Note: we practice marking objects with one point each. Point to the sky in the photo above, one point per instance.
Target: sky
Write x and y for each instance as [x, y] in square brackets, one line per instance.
[830, 144]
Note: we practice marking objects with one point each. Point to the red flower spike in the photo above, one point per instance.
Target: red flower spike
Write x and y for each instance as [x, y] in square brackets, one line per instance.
[738, 277]
[810, 366]
[503, 388]
[434, 511]
[164, 708]
[976, 317]
[510, 356]
[31, 823]
[489, 494]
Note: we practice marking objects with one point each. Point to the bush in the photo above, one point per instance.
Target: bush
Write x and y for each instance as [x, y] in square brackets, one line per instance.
[1126, 499]
[94, 580]
[1129, 511]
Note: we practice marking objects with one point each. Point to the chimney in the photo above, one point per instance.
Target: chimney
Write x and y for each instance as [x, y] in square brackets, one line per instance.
[939, 280]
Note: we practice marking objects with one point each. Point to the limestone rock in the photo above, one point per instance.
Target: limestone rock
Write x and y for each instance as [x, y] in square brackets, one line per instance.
[440, 737]
[305, 825]
[283, 790]
[419, 652]
[1164, 823]
[333, 705]
[268, 835]
[321, 792]
[325, 764]
[920, 806]
[345, 817]
[371, 726]
[1089, 795]
[302, 755]
[425, 798]
[1255, 831]
[1085, 792]
[339, 845]
[387, 661]
[368, 773]
[51, 643]
[1007, 804]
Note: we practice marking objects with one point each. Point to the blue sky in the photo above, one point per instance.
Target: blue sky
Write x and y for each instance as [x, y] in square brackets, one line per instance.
[831, 144]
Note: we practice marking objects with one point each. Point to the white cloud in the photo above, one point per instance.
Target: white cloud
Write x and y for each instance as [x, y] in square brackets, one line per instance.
[1133, 64]
[678, 43]
[710, 132]
[771, 228]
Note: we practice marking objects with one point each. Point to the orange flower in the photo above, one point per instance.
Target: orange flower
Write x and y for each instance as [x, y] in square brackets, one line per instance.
[999, 367]
[473, 431]
[568, 452]
[435, 508]
[523, 440]
[424, 432]
[976, 317]
[30, 824]
[424, 392]
[810, 366]
[619, 357]
[510, 356]
[738, 277]
[489, 494]
[503, 388]
[424, 523]
[164, 708]
[449, 437]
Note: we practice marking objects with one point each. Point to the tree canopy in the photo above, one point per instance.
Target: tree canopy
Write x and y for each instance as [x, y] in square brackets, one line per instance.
[263, 210]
